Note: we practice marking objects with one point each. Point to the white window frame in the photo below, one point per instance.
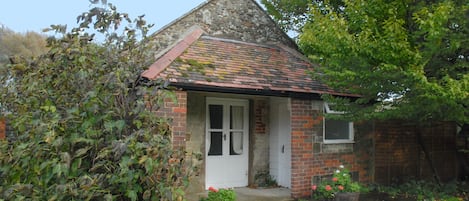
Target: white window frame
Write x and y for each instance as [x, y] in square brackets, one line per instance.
[328, 110]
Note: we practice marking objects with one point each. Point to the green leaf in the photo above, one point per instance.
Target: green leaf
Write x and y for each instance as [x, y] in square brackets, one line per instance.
[131, 194]
[81, 152]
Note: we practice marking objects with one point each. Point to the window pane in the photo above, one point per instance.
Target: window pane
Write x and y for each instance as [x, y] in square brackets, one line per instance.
[236, 114]
[216, 144]
[236, 143]
[216, 116]
[337, 130]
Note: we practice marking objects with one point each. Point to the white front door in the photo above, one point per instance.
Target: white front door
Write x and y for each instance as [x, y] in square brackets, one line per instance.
[226, 142]
[280, 141]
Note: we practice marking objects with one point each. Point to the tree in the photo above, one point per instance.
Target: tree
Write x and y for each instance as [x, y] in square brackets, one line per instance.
[406, 59]
[29, 44]
[83, 129]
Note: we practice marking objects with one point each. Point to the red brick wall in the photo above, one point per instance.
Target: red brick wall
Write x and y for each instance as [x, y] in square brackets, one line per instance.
[383, 152]
[309, 160]
[176, 112]
[259, 116]
[399, 156]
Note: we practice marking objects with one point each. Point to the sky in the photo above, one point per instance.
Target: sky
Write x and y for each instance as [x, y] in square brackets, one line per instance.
[35, 15]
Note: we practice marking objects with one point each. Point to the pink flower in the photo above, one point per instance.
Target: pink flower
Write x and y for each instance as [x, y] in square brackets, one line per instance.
[340, 187]
[328, 188]
[335, 179]
[210, 188]
[314, 187]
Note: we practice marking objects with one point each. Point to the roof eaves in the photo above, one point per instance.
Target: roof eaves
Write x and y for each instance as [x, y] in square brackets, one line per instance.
[164, 61]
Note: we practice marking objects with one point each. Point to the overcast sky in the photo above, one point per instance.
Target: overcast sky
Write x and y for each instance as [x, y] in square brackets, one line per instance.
[35, 15]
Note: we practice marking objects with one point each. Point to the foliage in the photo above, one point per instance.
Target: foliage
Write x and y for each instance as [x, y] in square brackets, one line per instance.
[83, 122]
[264, 179]
[29, 44]
[425, 190]
[220, 194]
[292, 15]
[406, 59]
[289, 14]
[341, 182]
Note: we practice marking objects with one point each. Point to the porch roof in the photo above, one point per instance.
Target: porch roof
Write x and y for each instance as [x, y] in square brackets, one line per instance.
[204, 62]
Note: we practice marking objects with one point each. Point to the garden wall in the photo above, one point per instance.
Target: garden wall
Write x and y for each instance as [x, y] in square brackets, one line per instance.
[399, 152]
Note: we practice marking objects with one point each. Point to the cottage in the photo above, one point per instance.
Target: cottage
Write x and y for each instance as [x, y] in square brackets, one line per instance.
[247, 102]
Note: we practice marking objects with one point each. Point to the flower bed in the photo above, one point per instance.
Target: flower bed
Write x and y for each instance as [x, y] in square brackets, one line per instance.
[333, 189]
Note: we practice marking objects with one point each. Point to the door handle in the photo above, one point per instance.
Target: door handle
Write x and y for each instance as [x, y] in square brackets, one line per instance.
[283, 149]
[224, 137]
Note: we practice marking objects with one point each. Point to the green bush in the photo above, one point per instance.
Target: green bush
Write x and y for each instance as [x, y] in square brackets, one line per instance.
[83, 120]
[220, 194]
[341, 181]
[427, 190]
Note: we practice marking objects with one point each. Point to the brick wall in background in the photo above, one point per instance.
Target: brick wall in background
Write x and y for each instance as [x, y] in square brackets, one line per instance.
[399, 156]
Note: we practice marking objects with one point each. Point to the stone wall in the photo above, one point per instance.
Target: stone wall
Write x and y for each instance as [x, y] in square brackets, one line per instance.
[241, 20]
[195, 138]
[259, 140]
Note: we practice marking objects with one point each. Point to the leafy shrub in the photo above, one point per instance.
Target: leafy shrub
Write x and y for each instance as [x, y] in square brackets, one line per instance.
[264, 179]
[82, 119]
[341, 182]
[427, 190]
[220, 194]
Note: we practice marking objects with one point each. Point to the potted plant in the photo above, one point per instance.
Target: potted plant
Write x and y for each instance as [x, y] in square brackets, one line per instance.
[339, 188]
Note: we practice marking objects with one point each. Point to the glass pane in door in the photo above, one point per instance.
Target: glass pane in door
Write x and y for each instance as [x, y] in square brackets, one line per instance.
[216, 144]
[216, 116]
[236, 117]
[236, 143]
[236, 127]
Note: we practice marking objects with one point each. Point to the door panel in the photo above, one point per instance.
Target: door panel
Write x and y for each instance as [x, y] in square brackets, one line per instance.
[226, 143]
[280, 141]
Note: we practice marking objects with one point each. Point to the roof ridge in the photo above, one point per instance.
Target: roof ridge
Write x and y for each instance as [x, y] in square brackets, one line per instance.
[167, 58]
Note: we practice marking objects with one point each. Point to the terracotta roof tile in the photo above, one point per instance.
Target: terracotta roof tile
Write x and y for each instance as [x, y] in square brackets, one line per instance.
[227, 64]
[168, 57]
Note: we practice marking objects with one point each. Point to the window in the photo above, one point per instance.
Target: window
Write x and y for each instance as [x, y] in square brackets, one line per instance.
[336, 131]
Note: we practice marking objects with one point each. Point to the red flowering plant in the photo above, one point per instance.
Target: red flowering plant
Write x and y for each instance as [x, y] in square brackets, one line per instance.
[341, 182]
[220, 194]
